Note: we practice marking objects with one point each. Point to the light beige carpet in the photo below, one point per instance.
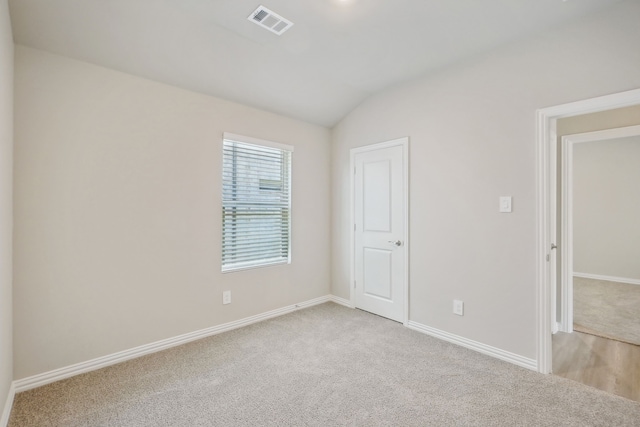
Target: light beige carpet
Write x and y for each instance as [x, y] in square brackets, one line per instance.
[323, 366]
[607, 309]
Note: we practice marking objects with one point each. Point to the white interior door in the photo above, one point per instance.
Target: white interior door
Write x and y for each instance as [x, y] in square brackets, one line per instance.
[380, 229]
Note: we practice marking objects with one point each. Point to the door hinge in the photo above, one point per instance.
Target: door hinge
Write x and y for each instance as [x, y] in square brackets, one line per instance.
[548, 258]
[354, 284]
[354, 227]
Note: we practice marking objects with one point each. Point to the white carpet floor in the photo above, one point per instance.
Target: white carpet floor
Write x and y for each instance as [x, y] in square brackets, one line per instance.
[323, 366]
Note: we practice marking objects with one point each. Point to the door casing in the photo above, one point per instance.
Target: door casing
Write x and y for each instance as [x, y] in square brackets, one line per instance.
[546, 184]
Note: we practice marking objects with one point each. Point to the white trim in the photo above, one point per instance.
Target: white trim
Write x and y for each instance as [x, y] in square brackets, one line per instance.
[6, 412]
[352, 225]
[404, 143]
[112, 359]
[342, 301]
[546, 117]
[544, 306]
[566, 257]
[252, 265]
[593, 105]
[553, 224]
[607, 278]
[121, 356]
[603, 135]
[256, 141]
[407, 205]
[498, 353]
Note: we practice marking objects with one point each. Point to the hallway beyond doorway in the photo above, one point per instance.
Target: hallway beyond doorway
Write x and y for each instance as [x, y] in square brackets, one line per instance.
[608, 365]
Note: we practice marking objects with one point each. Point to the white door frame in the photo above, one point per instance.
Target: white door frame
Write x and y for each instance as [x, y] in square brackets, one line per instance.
[404, 143]
[568, 143]
[546, 180]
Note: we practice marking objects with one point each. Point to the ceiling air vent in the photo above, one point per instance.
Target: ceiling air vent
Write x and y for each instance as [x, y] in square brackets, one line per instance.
[270, 20]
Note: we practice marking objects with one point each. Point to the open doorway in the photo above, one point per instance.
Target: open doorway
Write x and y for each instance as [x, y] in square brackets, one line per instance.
[587, 355]
[600, 207]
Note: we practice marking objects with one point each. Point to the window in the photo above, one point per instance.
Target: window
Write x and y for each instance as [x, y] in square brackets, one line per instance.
[256, 203]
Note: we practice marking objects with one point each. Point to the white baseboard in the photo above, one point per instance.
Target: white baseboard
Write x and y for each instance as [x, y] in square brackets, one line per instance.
[507, 356]
[608, 278]
[341, 301]
[4, 419]
[121, 356]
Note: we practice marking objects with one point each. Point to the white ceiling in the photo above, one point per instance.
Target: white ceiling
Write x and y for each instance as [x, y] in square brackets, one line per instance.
[337, 53]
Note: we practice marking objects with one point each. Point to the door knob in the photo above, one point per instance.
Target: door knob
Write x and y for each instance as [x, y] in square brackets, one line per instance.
[396, 242]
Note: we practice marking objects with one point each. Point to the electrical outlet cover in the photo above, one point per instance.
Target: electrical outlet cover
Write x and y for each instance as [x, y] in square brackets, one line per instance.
[226, 297]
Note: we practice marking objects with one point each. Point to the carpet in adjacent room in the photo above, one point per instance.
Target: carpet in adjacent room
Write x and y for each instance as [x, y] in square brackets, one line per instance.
[607, 309]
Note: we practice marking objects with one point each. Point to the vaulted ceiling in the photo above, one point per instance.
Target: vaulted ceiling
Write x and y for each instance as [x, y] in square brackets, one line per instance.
[337, 53]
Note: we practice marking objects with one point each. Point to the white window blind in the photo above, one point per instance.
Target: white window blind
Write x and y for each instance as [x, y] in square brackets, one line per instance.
[256, 203]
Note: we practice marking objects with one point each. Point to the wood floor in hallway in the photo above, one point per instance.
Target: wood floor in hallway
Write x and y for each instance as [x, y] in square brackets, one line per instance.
[606, 364]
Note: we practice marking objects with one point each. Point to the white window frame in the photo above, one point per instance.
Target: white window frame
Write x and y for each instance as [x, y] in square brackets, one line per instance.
[229, 201]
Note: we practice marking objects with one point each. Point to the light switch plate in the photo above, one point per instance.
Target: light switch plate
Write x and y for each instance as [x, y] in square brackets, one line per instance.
[226, 297]
[458, 307]
[505, 204]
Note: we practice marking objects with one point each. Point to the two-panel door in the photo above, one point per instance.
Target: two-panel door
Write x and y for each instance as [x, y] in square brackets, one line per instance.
[380, 231]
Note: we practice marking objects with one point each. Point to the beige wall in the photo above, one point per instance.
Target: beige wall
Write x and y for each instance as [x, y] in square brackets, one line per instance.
[472, 139]
[118, 213]
[6, 209]
[606, 201]
[610, 119]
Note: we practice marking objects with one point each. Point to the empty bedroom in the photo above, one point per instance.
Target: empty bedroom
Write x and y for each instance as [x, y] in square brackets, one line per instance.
[328, 212]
